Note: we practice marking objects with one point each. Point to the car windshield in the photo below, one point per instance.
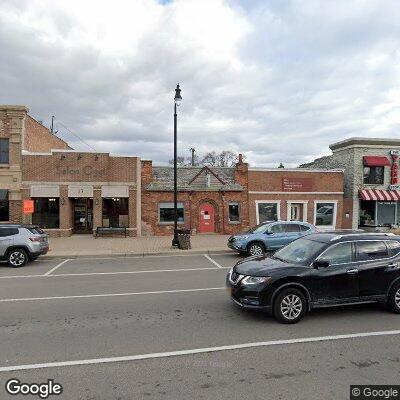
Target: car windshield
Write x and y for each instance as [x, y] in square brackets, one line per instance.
[258, 229]
[301, 251]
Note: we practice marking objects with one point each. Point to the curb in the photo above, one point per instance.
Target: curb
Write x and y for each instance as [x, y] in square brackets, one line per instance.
[176, 253]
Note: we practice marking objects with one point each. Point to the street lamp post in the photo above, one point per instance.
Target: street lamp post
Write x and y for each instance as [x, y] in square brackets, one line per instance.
[177, 100]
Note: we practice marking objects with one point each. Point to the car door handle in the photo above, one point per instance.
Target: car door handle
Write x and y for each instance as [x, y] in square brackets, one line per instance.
[352, 271]
[394, 265]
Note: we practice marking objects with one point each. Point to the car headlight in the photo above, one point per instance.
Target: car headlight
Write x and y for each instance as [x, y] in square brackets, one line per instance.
[255, 280]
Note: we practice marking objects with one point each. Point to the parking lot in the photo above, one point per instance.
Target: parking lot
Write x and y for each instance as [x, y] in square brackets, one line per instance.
[164, 327]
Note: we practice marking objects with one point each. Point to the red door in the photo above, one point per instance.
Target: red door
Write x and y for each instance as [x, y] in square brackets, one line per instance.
[207, 219]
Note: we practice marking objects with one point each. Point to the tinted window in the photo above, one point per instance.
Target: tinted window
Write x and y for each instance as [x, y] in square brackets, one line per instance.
[372, 250]
[341, 253]
[394, 247]
[278, 228]
[8, 231]
[301, 251]
[304, 228]
[258, 229]
[292, 228]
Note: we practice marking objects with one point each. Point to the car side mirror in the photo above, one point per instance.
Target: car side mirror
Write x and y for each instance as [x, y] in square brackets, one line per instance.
[268, 232]
[320, 264]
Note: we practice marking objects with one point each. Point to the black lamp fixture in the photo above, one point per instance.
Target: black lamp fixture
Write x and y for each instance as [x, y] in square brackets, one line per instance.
[177, 100]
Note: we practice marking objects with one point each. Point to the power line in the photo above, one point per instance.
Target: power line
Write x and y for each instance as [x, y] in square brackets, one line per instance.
[77, 136]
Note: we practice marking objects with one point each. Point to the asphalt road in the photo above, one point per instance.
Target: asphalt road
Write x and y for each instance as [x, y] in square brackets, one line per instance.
[162, 327]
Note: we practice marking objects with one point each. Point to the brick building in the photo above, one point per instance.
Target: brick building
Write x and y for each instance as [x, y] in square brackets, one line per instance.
[76, 192]
[371, 186]
[233, 199]
[209, 199]
[314, 196]
[72, 191]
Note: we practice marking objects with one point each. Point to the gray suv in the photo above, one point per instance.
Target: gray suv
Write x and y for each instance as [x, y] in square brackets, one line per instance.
[22, 243]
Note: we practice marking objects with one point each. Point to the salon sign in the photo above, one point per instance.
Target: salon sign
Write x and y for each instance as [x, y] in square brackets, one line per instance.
[394, 184]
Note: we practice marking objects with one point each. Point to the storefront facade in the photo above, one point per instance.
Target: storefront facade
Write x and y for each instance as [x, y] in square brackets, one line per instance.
[72, 192]
[76, 192]
[372, 187]
[240, 197]
[210, 200]
[296, 195]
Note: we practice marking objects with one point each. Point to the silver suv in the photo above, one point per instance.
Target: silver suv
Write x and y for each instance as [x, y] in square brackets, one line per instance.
[22, 243]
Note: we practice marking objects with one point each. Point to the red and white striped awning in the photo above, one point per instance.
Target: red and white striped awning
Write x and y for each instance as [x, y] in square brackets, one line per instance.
[379, 195]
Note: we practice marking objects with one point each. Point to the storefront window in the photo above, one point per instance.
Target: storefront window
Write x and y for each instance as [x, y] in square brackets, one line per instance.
[115, 212]
[4, 205]
[46, 212]
[325, 214]
[234, 214]
[374, 175]
[166, 213]
[267, 212]
[386, 213]
[367, 213]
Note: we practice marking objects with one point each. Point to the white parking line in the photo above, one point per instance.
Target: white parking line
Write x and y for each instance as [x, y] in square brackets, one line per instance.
[109, 273]
[87, 296]
[144, 255]
[57, 266]
[213, 261]
[196, 351]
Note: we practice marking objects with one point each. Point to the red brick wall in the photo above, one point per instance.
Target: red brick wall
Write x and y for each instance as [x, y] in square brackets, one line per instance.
[272, 180]
[39, 139]
[78, 167]
[192, 202]
[97, 169]
[347, 208]
[325, 186]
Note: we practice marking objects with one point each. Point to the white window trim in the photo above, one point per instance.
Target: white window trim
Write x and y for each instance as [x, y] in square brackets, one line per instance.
[305, 208]
[326, 227]
[278, 208]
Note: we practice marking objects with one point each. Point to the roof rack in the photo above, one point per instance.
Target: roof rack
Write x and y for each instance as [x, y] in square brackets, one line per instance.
[363, 234]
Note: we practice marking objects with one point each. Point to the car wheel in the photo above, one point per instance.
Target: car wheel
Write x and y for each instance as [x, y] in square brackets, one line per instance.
[255, 249]
[17, 258]
[290, 306]
[394, 298]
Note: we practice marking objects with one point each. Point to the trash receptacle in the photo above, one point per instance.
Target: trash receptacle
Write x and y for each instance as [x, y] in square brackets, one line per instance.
[184, 239]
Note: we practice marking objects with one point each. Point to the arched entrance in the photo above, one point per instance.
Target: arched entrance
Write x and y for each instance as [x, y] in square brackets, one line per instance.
[206, 218]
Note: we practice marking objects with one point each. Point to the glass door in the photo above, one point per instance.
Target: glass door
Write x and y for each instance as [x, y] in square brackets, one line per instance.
[83, 215]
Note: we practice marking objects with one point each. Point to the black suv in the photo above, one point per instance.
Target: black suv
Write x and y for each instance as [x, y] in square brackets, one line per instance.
[320, 270]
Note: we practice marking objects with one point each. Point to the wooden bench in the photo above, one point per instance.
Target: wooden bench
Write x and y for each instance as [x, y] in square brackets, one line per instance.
[101, 230]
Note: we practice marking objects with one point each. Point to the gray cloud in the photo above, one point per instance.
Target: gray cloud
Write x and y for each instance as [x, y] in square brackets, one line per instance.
[276, 80]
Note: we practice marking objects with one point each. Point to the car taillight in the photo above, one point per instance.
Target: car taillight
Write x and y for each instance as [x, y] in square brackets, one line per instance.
[35, 239]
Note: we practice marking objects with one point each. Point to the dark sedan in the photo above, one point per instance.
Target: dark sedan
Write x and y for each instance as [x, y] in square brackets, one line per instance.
[320, 270]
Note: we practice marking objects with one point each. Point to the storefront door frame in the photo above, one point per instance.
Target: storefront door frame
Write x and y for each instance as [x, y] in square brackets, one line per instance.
[304, 203]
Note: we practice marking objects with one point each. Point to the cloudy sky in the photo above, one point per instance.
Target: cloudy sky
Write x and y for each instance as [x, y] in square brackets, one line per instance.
[275, 79]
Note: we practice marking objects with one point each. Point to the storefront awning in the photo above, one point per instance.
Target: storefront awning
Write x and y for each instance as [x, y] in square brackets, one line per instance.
[379, 195]
[376, 161]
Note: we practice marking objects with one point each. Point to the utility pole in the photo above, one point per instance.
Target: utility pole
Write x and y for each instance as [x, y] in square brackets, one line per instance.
[52, 124]
[193, 160]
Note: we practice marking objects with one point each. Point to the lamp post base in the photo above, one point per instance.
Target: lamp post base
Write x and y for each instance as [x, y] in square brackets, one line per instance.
[175, 241]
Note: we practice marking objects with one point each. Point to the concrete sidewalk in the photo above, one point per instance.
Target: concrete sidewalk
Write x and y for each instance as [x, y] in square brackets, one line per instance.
[87, 245]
